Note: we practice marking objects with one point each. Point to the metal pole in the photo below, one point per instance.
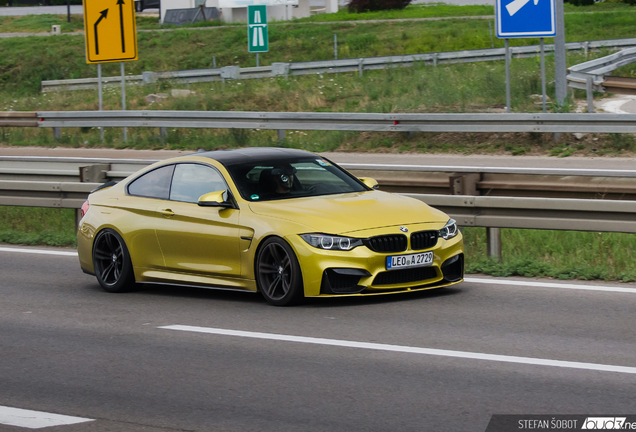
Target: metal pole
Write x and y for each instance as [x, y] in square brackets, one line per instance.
[560, 69]
[543, 75]
[123, 96]
[99, 87]
[256, 59]
[590, 94]
[335, 46]
[68, 10]
[507, 76]
[214, 62]
[492, 41]
[493, 240]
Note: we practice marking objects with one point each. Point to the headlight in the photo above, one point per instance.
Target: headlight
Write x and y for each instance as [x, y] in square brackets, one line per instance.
[329, 242]
[450, 230]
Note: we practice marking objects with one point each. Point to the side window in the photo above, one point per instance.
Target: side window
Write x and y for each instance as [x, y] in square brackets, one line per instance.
[154, 184]
[190, 181]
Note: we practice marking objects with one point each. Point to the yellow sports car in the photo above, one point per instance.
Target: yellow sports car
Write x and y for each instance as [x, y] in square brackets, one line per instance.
[287, 223]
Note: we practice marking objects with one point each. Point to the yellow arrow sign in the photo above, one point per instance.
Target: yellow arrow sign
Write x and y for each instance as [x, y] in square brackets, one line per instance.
[110, 31]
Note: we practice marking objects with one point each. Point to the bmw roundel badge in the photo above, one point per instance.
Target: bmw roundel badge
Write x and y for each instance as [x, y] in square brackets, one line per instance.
[404, 229]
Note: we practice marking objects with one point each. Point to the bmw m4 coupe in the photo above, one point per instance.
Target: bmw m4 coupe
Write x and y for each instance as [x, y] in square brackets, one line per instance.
[286, 223]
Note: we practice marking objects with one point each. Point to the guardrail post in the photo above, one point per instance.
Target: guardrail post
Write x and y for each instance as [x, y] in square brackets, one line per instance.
[94, 173]
[590, 94]
[163, 134]
[281, 135]
[360, 66]
[149, 77]
[435, 59]
[493, 239]
[57, 133]
[464, 184]
[280, 69]
[230, 72]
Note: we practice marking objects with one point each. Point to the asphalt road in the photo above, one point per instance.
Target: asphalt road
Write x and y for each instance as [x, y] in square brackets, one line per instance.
[67, 347]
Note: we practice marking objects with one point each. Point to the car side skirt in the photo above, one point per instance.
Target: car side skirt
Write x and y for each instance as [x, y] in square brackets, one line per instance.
[146, 275]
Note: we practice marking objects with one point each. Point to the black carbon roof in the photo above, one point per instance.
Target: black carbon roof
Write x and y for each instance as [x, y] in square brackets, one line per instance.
[254, 154]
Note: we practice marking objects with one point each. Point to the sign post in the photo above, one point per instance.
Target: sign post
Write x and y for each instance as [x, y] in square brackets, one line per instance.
[257, 36]
[515, 19]
[110, 35]
[525, 18]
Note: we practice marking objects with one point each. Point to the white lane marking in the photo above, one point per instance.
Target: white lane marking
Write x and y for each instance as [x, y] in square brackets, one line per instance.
[494, 281]
[36, 419]
[38, 251]
[406, 349]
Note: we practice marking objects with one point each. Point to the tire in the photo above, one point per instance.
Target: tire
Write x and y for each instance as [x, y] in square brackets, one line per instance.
[111, 260]
[278, 275]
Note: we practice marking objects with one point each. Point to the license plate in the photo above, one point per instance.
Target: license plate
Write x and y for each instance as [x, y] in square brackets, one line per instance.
[412, 260]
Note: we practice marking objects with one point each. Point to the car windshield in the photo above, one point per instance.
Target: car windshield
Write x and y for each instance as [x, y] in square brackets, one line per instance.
[292, 178]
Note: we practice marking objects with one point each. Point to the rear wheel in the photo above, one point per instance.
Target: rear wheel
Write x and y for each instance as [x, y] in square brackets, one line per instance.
[278, 273]
[111, 260]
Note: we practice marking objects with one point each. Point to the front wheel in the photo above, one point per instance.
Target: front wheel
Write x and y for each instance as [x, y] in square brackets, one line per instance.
[278, 273]
[111, 259]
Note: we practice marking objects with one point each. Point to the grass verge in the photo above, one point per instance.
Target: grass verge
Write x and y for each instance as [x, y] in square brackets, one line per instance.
[476, 87]
[25, 62]
[554, 254]
[37, 226]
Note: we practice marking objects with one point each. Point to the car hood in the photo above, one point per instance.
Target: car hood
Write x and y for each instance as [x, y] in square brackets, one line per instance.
[347, 213]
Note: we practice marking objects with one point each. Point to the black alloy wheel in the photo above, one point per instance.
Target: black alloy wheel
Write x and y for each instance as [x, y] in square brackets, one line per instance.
[278, 273]
[111, 260]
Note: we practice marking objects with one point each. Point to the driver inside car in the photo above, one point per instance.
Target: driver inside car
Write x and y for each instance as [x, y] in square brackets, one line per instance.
[283, 178]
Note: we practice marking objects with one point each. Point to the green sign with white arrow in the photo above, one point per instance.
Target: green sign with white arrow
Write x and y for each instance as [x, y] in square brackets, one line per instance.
[257, 39]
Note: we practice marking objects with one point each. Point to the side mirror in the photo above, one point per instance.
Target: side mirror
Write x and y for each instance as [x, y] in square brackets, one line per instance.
[370, 182]
[215, 199]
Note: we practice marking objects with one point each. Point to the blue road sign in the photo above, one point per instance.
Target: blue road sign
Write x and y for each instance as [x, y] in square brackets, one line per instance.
[525, 18]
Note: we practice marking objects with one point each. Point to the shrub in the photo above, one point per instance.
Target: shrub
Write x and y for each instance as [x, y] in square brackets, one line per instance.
[358, 6]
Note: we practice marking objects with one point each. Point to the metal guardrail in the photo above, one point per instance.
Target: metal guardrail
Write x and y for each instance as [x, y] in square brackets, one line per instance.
[476, 211]
[329, 66]
[18, 119]
[394, 122]
[590, 184]
[591, 75]
[44, 194]
[537, 213]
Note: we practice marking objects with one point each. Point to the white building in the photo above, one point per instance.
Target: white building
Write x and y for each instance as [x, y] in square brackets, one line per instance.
[236, 10]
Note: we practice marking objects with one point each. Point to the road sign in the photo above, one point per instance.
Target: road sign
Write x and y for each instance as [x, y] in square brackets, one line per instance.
[257, 37]
[525, 18]
[110, 31]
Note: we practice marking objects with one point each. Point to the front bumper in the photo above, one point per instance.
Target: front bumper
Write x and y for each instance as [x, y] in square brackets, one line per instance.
[362, 271]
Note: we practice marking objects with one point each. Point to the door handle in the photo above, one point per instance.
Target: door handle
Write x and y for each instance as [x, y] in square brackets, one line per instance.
[167, 212]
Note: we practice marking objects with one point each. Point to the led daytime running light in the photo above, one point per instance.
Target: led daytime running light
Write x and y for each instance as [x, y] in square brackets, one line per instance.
[329, 242]
[450, 230]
